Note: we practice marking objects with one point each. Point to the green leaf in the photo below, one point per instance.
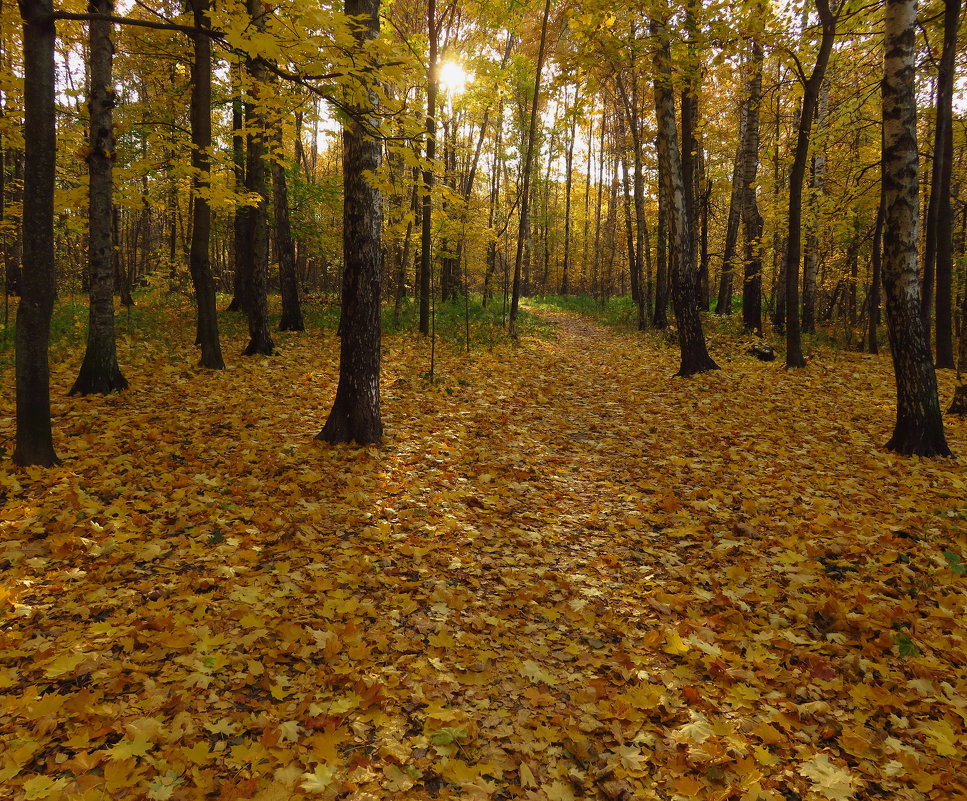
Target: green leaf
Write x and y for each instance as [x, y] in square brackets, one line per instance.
[955, 562]
[448, 736]
[906, 645]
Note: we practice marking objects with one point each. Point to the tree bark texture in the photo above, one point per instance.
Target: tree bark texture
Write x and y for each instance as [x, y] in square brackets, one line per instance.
[723, 303]
[524, 227]
[100, 372]
[355, 414]
[797, 177]
[691, 340]
[256, 251]
[876, 281]
[291, 319]
[426, 228]
[938, 248]
[34, 443]
[752, 219]
[810, 271]
[199, 260]
[919, 425]
[241, 280]
[659, 317]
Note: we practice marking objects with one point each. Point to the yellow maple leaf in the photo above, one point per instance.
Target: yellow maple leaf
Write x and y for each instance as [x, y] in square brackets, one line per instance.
[941, 736]
[126, 749]
[198, 753]
[318, 780]
[63, 664]
[41, 788]
[828, 780]
[675, 645]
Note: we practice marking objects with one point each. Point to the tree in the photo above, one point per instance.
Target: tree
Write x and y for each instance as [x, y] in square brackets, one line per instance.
[797, 176]
[691, 339]
[291, 319]
[100, 372]
[426, 227]
[35, 442]
[919, 425]
[938, 248]
[752, 219]
[355, 414]
[255, 215]
[199, 263]
[522, 231]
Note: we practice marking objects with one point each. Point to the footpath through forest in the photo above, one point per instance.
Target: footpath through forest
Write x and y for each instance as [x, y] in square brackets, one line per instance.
[564, 575]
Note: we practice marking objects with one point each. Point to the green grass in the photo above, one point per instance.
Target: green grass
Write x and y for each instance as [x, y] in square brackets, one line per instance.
[155, 312]
[618, 312]
[487, 326]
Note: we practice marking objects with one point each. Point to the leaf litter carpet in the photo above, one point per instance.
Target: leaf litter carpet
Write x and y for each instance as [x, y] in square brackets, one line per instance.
[564, 575]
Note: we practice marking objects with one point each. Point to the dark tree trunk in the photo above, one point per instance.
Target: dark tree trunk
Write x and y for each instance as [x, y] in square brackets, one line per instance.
[919, 425]
[659, 319]
[524, 227]
[288, 279]
[100, 372]
[568, 184]
[723, 303]
[241, 279]
[876, 280]
[355, 414]
[691, 340]
[939, 234]
[959, 404]
[752, 278]
[256, 251]
[797, 176]
[199, 260]
[426, 229]
[492, 212]
[810, 273]
[35, 444]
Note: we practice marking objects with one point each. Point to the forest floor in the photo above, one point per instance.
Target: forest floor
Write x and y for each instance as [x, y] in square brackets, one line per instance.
[564, 575]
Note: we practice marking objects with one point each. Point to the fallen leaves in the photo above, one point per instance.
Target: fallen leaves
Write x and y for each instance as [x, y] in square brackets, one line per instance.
[566, 577]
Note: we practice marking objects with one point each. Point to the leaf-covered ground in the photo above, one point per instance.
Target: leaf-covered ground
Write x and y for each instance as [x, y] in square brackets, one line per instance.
[564, 575]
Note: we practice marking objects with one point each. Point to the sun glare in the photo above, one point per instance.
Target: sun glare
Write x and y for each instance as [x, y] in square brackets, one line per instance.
[453, 77]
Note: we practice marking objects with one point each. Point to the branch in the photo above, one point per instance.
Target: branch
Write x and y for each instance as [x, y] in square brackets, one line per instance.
[138, 23]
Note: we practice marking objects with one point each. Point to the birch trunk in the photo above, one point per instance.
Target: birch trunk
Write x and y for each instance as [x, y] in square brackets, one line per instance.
[919, 425]
[691, 340]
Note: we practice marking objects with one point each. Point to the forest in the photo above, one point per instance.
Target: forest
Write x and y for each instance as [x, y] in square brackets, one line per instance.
[483, 399]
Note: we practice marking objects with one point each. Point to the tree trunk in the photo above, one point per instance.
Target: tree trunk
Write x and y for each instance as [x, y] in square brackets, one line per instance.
[596, 265]
[797, 176]
[99, 371]
[568, 184]
[959, 404]
[752, 278]
[723, 304]
[240, 279]
[919, 425]
[691, 340]
[876, 280]
[938, 247]
[528, 161]
[355, 414]
[199, 260]
[35, 444]
[659, 318]
[288, 279]
[256, 252]
[811, 261]
[426, 230]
